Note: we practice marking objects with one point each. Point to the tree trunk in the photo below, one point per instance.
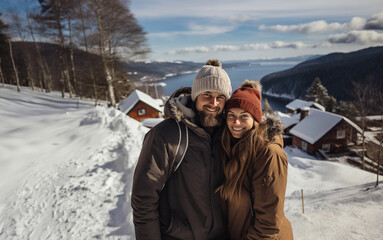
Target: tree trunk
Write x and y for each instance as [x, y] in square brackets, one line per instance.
[363, 142]
[14, 65]
[64, 64]
[379, 152]
[82, 18]
[30, 77]
[108, 76]
[94, 84]
[44, 78]
[40, 77]
[378, 169]
[1, 75]
[48, 76]
[73, 69]
[67, 77]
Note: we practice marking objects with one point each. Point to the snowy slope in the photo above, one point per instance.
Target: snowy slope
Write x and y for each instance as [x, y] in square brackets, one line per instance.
[66, 169]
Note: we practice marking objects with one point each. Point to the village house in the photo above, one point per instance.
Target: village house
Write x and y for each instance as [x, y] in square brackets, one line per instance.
[140, 106]
[296, 105]
[320, 131]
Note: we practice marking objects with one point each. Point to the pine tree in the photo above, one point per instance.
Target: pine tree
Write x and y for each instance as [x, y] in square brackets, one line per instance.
[317, 92]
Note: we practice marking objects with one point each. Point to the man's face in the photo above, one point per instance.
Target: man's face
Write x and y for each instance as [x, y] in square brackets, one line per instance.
[209, 106]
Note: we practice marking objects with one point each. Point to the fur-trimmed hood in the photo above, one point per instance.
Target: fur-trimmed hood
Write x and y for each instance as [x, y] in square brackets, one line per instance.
[274, 125]
[180, 107]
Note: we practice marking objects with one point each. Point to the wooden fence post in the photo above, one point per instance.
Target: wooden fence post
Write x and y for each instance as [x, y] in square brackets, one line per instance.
[303, 204]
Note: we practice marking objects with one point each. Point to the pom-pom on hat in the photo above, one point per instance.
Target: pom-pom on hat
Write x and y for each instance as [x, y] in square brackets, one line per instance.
[248, 98]
[211, 77]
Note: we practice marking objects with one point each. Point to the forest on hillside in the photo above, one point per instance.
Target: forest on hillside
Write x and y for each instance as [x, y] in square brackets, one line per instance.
[337, 72]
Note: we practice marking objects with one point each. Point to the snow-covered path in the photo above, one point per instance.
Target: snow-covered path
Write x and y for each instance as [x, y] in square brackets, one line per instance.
[66, 169]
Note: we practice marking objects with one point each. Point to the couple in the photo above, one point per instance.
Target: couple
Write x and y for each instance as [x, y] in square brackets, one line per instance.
[232, 180]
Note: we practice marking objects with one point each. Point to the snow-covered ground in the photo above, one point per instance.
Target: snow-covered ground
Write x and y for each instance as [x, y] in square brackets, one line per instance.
[66, 169]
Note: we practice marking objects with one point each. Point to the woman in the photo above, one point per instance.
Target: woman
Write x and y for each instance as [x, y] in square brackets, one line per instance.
[255, 169]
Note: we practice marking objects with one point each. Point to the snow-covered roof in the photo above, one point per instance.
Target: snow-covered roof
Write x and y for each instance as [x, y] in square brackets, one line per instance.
[128, 103]
[151, 122]
[317, 124]
[288, 119]
[298, 104]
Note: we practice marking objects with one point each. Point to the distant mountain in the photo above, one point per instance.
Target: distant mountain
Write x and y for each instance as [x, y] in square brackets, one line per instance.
[336, 71]
[153, 71]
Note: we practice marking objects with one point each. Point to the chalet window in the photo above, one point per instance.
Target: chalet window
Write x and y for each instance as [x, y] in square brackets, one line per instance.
[326, 147]
[304, 146]
[340, 134]
[141, 111]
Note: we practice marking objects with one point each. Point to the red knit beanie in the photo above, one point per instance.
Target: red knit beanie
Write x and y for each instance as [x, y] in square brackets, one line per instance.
[248, 98]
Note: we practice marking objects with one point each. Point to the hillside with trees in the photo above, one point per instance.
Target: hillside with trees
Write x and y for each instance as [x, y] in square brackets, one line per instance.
[336, 71]
[75, 47]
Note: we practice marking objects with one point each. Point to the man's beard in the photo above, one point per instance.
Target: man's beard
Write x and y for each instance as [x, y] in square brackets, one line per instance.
[209, 120]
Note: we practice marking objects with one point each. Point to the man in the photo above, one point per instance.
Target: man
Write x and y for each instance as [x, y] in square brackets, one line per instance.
[183, 204]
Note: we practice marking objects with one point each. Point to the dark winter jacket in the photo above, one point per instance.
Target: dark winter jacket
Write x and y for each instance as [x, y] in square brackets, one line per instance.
[183, 204]
[268, 178]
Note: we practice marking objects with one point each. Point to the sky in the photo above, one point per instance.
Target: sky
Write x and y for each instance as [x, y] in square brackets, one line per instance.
[66, 170]
[257, 29]
[252, 29]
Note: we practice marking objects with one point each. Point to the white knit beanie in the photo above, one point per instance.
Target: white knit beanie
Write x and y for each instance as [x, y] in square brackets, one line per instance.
[213, 78]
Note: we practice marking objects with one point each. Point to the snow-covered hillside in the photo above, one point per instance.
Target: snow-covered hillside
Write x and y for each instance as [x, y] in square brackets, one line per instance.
[66, 169]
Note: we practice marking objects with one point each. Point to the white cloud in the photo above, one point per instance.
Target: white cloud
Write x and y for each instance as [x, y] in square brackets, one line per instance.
[361, 37]
[225, 48]
[375, 22]
[280, 44]
[201, 49]
[256, 46]
[195, 29]
[262, 9]
[318, 26]
[356, 23]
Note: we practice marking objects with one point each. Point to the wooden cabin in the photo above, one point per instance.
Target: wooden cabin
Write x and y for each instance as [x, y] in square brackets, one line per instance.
[328, 132]
[139, 105]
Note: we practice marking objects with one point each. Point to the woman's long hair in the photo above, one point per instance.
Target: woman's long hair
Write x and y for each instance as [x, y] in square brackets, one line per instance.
[237, 159]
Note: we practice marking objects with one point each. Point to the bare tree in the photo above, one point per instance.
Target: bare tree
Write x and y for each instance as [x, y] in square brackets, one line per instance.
[116, 29]
[11, 56]
[14, 65]
[69, 15]
[364, 97]
[52, 17]
[378, 92]
[83, 25]
[379, 154]
[1, 74]
[4, 54]
[18, 26]
[45, 78]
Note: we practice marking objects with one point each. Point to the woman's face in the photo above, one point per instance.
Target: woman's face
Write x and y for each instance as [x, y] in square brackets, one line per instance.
[239, 121]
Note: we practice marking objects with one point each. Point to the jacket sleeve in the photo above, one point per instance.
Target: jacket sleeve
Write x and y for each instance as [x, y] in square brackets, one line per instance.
[149, 178]
[269, 199]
